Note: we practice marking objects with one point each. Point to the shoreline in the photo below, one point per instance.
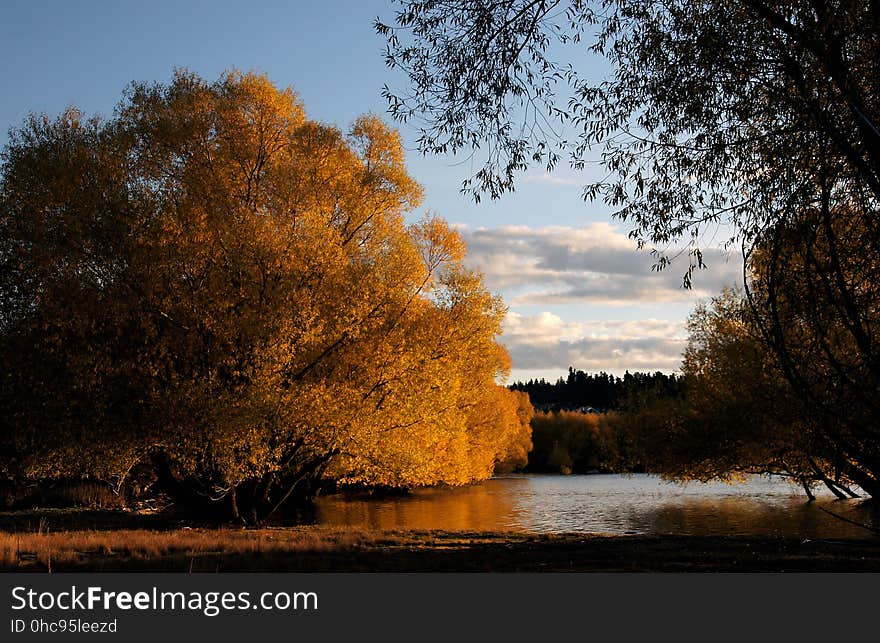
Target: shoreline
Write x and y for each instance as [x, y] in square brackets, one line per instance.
[323, 549]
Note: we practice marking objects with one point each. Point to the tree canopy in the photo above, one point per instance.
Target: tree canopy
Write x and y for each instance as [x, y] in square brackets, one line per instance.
[711, 112]
[213, 287]
[739, 414]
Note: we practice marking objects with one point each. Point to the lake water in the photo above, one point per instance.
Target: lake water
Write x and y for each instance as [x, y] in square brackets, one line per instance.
[609, 504]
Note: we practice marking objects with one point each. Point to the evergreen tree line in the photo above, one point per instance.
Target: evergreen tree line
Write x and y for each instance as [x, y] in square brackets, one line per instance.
[598, 391]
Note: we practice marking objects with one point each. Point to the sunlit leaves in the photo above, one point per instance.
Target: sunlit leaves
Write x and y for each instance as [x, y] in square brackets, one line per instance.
[212, 281]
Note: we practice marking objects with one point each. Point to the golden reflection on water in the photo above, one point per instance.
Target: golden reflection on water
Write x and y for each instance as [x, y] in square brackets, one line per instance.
[481, 507]
[611, 504]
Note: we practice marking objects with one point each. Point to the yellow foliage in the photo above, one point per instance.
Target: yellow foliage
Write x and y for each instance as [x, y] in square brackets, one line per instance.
[240, 293]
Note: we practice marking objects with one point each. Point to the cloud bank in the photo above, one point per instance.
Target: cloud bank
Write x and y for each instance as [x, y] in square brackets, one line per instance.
[545, 341]
[591, 271]
[595, 264]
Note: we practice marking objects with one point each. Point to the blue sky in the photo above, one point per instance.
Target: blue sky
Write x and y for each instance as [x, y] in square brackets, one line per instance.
[579, 293]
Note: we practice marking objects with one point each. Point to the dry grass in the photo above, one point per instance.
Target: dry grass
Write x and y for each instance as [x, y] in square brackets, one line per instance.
[45, 549]
[316, 549]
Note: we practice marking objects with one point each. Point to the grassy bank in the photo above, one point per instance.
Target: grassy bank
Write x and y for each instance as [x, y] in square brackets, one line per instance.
[164, 547]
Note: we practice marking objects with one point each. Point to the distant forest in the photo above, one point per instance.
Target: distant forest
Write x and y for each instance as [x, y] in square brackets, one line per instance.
[601, 391]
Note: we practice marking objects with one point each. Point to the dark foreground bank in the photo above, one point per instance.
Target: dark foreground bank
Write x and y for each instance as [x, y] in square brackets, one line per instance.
[55, 543]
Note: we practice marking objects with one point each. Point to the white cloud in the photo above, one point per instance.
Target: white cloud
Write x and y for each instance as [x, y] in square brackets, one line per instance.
[593, 264]
[593, 271]
[551, 179]
[546, 342]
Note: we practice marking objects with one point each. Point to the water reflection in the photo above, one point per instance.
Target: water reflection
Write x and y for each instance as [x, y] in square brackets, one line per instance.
[489, 506]
[612, 504]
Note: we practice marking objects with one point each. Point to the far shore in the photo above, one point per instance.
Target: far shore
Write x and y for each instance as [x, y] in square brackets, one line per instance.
[57, 541]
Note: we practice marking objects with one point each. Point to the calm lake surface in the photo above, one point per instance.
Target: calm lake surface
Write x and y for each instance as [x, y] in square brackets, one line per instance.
[609, 504]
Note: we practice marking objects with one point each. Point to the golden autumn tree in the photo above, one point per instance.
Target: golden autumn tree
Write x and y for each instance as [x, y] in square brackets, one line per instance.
[211, 286]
